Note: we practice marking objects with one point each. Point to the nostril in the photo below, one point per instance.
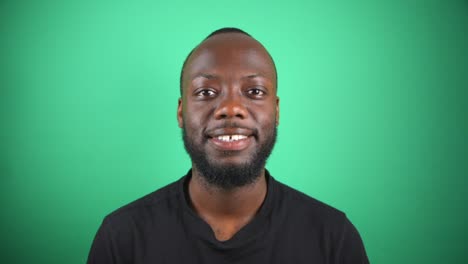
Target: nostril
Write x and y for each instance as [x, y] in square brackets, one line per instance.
[231, 109]
[239, 115]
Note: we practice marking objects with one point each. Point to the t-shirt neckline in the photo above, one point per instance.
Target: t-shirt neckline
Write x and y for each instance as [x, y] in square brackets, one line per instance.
[248, 234]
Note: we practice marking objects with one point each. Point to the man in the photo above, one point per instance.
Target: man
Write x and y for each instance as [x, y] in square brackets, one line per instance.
[228, 208]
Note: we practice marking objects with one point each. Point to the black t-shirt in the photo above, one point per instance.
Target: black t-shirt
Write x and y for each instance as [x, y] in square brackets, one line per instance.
[290, 227]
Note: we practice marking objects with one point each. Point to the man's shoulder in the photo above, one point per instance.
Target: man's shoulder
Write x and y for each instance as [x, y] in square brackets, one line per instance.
[161, 200]
[305, 205]
[309, 220]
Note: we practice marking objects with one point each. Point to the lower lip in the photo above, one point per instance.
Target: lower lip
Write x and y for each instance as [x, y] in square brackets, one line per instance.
[231, 145]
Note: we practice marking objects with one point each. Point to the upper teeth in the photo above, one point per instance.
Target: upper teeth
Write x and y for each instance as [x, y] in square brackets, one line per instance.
[229, 138]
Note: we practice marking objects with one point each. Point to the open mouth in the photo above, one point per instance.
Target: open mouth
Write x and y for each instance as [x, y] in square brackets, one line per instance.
[231, 142]
[230, 138]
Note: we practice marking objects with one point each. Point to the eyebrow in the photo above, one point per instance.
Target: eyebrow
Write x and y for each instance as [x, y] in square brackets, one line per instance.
[205, 75]
[255, 75]
[213, 76]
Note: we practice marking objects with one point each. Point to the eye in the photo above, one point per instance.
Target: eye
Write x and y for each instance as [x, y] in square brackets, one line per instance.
[205, 92]
[256, 92]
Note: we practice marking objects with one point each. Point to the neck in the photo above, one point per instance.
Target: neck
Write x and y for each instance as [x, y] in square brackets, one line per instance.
[212, 202]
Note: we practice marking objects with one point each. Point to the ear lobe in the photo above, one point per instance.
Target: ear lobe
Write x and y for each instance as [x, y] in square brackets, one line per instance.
[180, 114]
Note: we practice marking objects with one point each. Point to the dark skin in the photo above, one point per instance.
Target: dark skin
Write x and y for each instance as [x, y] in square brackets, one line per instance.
[229, 88]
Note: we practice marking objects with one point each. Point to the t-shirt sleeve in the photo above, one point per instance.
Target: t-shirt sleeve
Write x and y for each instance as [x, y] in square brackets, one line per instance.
[102, 250]
[350, 248]
[109, 246]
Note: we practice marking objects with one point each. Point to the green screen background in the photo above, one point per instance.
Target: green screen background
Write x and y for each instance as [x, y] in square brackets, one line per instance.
[373, 115]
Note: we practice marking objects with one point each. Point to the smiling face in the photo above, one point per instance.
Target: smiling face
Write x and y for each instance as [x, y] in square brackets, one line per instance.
[229, 109]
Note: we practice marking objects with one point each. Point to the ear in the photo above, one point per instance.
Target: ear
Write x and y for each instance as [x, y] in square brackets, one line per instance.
[277, 110]
[179, 114]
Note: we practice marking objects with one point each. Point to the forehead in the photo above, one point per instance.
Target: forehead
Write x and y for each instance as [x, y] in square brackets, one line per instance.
[230, 54]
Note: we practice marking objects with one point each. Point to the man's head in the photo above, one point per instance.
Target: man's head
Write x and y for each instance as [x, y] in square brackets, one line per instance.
[229, 109]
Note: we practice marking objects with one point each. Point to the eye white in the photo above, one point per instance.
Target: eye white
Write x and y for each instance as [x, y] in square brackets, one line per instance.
[256, 92]
[206, 93]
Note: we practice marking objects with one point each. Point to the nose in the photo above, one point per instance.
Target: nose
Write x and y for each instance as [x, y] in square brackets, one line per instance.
[231, 107]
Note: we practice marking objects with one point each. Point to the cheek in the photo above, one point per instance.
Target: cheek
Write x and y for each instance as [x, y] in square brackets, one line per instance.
[197, 114]
[191, 124]
[194, 124]
[265, 116]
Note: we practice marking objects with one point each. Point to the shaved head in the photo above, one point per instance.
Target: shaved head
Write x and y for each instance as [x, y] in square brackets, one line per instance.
[234, 35]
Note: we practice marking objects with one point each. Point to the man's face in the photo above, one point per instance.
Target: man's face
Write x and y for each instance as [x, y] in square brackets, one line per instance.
[229, 109]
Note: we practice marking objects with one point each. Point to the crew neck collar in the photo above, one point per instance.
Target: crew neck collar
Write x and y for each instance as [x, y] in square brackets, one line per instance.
[248, 234]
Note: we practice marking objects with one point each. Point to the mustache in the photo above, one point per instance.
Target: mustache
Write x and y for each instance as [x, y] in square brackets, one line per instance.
[231, 125]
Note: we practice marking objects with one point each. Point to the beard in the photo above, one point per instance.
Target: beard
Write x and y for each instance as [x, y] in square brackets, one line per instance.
[231, 176]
